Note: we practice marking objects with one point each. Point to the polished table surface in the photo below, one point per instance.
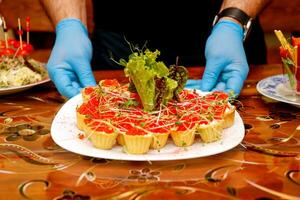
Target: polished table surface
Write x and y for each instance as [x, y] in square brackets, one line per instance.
[263, 166]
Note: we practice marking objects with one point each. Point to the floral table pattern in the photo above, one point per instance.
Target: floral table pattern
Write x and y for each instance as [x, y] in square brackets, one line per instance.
[266, 165]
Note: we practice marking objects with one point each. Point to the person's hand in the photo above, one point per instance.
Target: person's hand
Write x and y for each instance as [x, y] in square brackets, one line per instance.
[69, 64]
[193, 84]
[226, 63]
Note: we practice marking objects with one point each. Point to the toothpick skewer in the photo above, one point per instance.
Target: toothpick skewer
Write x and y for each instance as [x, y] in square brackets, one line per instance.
[5, 32]
[27, 28]
[20, 32]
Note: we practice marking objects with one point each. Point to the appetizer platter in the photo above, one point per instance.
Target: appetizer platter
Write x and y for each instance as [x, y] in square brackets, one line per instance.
[153, 117]
[18, 71]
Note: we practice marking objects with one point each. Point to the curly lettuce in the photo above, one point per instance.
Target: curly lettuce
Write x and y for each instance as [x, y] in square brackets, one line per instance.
[152, 79]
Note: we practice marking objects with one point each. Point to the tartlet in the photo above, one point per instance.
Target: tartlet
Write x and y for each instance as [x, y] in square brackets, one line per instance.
[111, 115]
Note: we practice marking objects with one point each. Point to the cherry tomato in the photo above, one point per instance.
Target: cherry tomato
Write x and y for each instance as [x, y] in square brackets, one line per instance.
[12, 42]
[2, 46]
[28, 47]
[23, 52]
[7, 52]
[16, 44]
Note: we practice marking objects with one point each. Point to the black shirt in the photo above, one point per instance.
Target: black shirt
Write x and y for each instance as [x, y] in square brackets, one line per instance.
[174, 28]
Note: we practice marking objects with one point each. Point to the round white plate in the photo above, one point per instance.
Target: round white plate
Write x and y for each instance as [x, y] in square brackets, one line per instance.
[277, 88]
[11, 90]
[65, 133]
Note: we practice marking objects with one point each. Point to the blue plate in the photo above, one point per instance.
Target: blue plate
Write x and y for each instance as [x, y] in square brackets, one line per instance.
[277, 88]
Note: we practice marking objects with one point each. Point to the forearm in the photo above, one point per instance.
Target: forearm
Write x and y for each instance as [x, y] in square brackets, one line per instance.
[251, 7]
[61, 9]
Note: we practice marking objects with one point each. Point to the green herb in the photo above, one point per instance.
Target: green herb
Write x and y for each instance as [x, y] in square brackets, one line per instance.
[178, 123]
[129, 103]
[210, 109]
[232, 96]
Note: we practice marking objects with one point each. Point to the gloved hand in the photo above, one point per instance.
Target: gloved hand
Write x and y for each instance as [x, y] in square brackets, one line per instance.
[193, 84]
[226, 63]
[69, 64]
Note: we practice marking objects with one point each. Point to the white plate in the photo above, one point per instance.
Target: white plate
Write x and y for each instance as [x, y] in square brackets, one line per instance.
[11, 90]
[65, 133]
[277, 88]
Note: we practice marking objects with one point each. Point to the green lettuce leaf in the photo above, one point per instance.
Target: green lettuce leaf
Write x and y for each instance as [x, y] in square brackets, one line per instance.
[152, 79]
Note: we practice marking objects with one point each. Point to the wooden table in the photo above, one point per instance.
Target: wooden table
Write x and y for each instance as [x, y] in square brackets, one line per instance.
[262, 167]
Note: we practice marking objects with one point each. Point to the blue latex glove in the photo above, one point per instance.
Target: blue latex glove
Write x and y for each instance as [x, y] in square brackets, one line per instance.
[69, 64]
[226, 63]
[193, 84]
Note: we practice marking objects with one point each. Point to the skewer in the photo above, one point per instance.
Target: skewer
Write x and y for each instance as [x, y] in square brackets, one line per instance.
[5, 32]
[6, 51]
[27, 28]
[20, 32]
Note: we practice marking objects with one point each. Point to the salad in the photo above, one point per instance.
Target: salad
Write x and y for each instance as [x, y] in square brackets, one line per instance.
[19, 71]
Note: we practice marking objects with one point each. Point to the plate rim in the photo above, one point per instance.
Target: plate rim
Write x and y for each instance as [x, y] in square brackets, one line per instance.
[45, 80]
[143, 157]
[280, 99]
